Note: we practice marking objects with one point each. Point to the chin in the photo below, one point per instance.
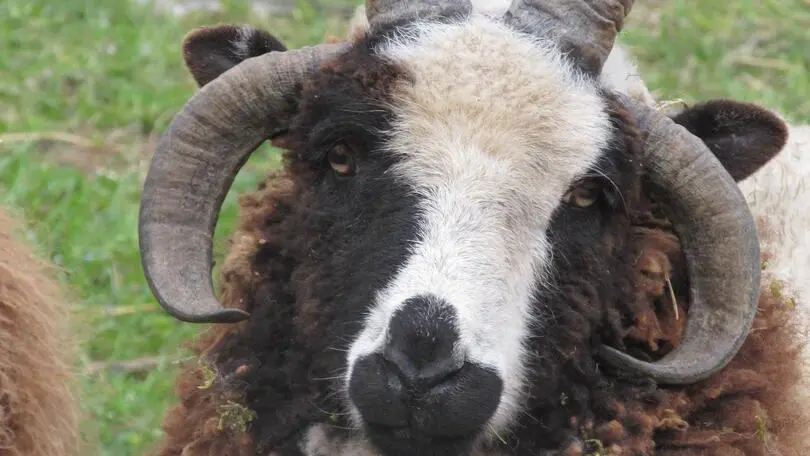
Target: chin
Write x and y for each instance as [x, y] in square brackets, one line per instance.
[408, 442]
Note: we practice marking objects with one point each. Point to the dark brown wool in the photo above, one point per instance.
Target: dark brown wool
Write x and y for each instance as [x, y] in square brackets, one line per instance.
[255, 391]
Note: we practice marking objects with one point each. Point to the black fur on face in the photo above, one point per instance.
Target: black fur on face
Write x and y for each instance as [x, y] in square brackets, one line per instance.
[366, 220]
[340, 235]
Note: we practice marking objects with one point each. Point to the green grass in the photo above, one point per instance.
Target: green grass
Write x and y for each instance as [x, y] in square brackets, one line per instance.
[749, 50]
[110, 75]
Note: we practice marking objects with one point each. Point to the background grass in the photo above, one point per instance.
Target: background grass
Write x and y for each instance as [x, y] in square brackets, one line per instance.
[87, 86]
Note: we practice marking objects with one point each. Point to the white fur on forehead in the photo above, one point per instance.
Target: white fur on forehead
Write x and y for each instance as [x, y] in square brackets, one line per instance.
[619, 72]
[359, 23]
[510, 96]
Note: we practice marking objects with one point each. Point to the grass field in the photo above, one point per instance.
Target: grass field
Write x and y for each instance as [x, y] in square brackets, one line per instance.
[86, 86]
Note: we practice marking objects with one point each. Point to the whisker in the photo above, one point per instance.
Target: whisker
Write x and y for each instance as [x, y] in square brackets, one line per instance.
[614, 185]
[322, 379]
[344, 428]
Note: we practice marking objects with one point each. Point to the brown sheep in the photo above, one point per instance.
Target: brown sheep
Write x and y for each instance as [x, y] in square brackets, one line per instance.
[39, 411]
[473, 248]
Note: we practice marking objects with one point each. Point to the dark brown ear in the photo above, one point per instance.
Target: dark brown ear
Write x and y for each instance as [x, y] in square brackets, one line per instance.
[743, 136]
[210, 51]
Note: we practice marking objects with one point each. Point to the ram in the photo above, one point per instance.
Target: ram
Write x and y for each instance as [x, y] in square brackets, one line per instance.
[39, 409]
[477, 245]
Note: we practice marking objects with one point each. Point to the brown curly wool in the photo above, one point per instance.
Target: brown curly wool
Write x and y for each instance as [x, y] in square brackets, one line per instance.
[747, 409]
[39, 413]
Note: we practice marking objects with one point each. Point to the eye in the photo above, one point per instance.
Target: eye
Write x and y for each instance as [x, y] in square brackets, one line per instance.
[342, 159]
[582, 196]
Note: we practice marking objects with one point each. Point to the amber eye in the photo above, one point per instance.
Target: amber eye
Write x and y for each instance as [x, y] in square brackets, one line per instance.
[341, 159]
[582, 196]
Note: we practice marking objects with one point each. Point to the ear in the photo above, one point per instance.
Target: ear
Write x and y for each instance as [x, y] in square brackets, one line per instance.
[743, 136]
[210, 51]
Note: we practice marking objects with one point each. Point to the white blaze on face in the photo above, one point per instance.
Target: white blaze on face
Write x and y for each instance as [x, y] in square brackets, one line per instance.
[491, 128]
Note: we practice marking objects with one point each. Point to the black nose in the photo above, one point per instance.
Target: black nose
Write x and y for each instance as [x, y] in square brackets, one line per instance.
[422, 343]
[420, 388]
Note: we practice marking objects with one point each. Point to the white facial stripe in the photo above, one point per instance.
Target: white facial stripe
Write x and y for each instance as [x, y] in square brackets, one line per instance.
[491, 128]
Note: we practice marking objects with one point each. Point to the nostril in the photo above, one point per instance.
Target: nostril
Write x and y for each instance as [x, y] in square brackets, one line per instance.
[439, 371]
[399, 362]
[427, 374]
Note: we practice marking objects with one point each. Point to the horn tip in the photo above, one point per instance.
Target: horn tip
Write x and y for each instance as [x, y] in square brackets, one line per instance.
[664, 374]
[225, 315]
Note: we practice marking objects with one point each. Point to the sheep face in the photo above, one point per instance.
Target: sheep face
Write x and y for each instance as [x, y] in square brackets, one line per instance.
[469, 194]
[486, 151]
[444, 206]
[449, 193]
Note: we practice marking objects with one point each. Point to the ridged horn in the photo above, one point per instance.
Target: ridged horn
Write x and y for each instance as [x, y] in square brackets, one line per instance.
[719, 238]
[384, 12]
[585, 28]
[193, 167]
[708, 210]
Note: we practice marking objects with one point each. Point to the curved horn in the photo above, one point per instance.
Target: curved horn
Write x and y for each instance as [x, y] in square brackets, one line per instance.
[383, 12]
[192, 170]
[586, 28]
[709, 213]
[719, 239]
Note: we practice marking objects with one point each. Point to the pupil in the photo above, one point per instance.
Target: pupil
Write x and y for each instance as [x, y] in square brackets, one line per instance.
[339, 158]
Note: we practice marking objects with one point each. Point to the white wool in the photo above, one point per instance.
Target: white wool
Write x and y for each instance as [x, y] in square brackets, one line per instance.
[778, 195]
